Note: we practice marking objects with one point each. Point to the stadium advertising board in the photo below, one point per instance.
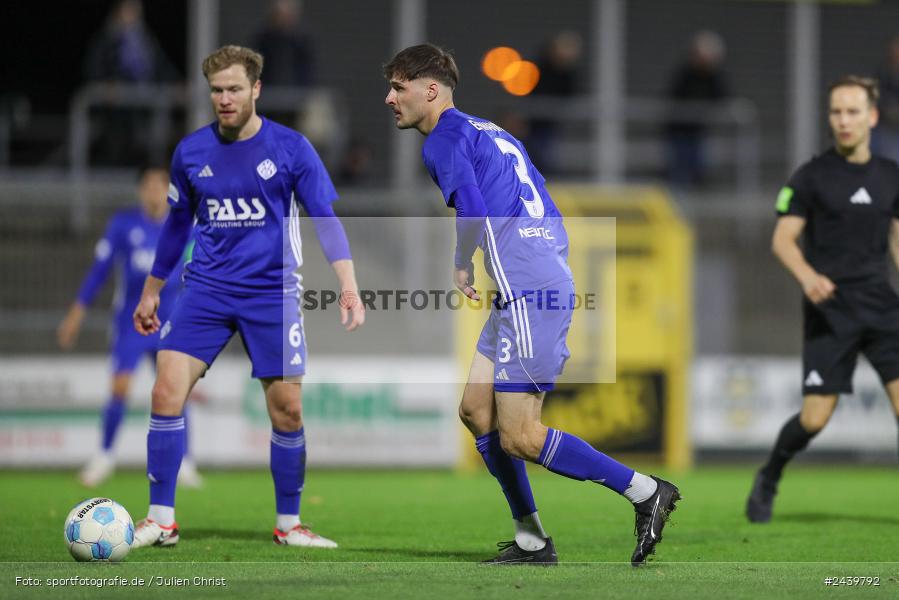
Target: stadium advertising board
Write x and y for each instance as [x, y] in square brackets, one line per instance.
[365, 416]
[741, 402]
[626, 416]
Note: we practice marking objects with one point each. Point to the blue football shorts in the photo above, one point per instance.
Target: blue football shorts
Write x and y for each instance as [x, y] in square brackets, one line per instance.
[128, 346]
[271, 328]
[525, 339]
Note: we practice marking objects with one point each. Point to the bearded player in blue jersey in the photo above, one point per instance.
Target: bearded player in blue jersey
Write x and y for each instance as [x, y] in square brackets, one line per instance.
[502, 206]
[243, 178]
[127, 246]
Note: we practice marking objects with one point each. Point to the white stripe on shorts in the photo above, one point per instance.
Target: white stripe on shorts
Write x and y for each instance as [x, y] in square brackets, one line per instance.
[505, 288]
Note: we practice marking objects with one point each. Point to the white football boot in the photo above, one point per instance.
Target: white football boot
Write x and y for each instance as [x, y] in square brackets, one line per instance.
[97, 470]
[188, 475]
[301, 535]
[150, 533]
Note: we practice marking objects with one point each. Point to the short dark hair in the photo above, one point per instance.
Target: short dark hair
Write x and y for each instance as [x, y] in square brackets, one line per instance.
[424, 60]
[869, 84]
[146, 167]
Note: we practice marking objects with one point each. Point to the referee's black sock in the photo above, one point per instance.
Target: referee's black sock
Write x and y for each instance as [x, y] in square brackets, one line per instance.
[792, 438]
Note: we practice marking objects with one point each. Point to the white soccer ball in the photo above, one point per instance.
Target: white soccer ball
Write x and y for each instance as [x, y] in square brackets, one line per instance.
[99, 529]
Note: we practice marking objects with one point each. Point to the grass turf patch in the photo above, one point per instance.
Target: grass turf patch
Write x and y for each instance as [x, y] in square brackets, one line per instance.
[405, 533]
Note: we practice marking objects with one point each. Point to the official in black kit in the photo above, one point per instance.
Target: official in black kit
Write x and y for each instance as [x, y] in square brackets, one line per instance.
[844, 203]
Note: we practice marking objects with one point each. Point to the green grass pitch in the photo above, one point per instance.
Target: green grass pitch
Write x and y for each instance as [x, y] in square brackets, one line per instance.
[413, 534]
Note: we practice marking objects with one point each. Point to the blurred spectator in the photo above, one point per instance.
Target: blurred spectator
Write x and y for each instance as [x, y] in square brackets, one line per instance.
[558, 63]
[886, 135]
[125, 52]
[700, 78]
[356, 165]
[516, 124]
[287, 49]
[289, 57]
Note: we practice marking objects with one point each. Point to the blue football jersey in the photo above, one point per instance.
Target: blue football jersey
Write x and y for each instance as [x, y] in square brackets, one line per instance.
[129, 244]
[525, 239]
[243, 194]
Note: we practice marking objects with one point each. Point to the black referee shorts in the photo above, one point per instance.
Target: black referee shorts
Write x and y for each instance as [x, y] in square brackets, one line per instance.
[862, 318]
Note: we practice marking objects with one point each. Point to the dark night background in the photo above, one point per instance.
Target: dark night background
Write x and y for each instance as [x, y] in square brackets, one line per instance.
[47, 46]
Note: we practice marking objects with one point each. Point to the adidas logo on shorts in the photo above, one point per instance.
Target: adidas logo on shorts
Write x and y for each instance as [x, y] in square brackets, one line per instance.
[296, 360]
[502, 375]
[813, 379]
[206, 172]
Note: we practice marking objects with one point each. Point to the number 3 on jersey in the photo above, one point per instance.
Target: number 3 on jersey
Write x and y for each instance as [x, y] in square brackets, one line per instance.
[534, 206]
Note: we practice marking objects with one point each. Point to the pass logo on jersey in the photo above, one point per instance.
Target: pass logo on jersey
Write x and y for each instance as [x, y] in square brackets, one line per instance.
[222, 213]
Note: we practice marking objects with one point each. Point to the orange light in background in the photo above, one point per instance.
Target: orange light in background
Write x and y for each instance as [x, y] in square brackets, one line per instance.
[523, 78]
[498, 60]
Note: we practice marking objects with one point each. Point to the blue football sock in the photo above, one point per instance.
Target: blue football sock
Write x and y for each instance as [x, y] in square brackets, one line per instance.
[184, 415]
[572, 457]
[165, 449]
[288, 465]
[112, 419]
[511, 474]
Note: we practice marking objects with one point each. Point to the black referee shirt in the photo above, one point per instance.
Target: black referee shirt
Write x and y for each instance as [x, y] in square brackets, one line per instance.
[848, 210]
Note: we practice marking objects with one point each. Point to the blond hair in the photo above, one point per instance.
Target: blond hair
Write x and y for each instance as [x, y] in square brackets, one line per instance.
[226, 56]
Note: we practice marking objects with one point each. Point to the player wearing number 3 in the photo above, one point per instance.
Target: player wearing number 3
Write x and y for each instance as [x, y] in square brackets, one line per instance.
[243, 179]
[503, 207]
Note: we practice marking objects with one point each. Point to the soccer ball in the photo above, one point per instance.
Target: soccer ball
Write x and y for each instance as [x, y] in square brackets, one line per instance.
[99, 529]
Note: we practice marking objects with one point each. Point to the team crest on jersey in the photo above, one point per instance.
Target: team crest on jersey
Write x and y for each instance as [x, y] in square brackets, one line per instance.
[266, 169]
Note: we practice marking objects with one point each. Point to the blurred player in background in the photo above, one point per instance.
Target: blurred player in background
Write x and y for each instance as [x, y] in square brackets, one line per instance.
[129, 243]
[845, 204]
[486, 175]
[243, 178]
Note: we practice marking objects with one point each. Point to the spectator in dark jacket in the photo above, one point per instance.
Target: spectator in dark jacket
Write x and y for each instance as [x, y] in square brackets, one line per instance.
[125, 52]
[700, 78]
[886, 136]
[286, 47]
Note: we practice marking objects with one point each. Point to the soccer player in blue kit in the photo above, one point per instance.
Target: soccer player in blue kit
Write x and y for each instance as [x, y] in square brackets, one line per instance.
[129, 245]
[502, 206]
[243, 178]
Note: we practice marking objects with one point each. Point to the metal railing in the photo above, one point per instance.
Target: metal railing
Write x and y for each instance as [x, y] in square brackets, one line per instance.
[749, 304]
[732, 132]
[162, 101]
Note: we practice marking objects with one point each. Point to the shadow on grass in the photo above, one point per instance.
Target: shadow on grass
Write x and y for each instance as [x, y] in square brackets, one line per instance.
[413, 553]
[226, 534]
[809, 517]
[390, 554]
